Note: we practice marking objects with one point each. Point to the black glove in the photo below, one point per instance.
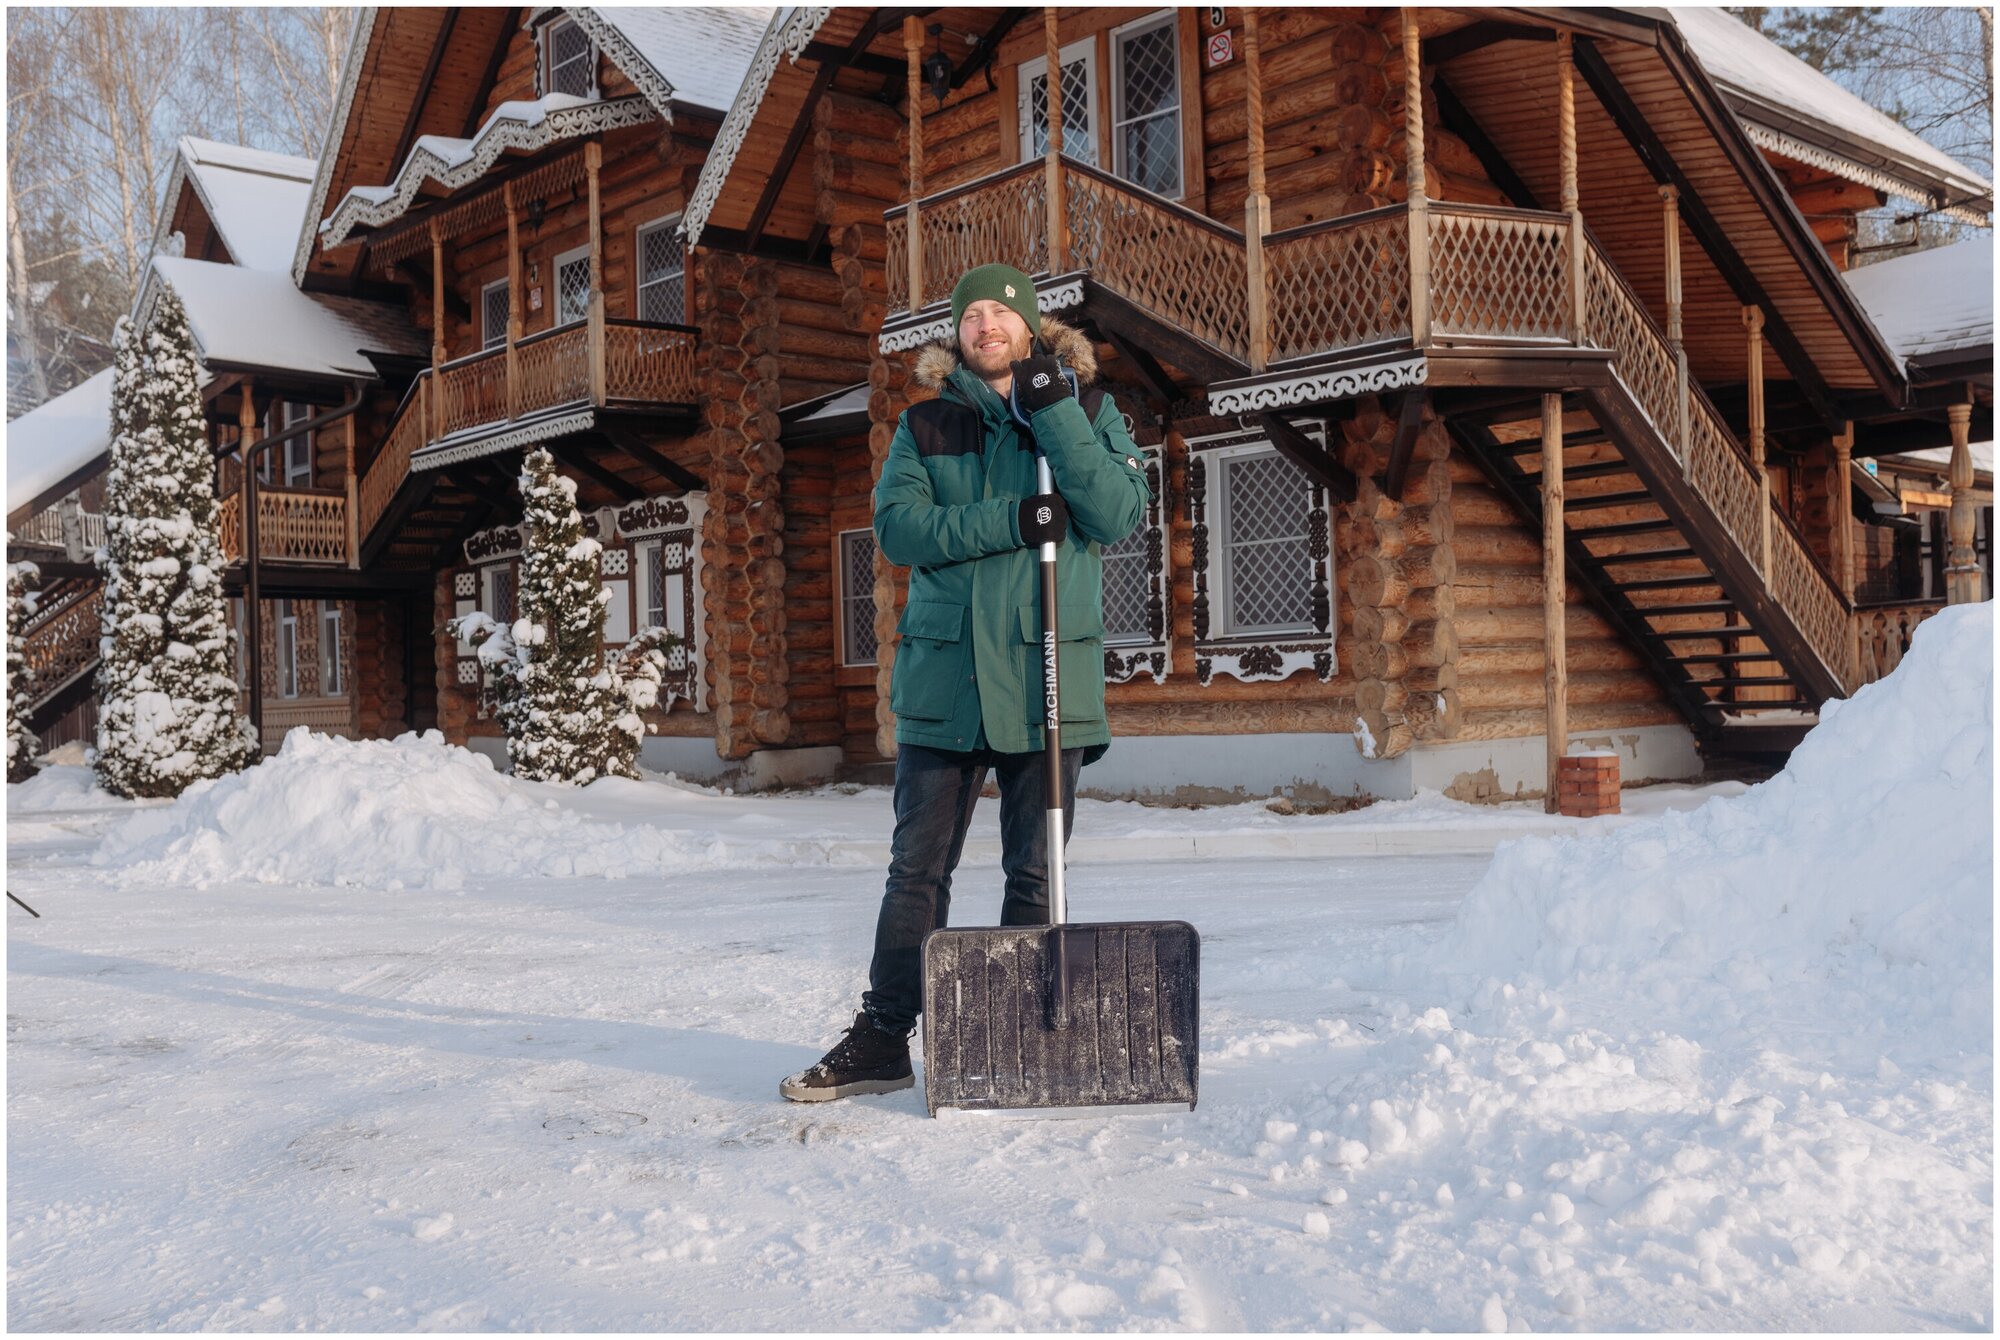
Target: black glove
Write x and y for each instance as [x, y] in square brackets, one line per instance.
[1044, 519]
[1039, 381]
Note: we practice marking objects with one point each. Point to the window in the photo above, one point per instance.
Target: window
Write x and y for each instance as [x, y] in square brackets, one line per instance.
[1263, 577]
[661, 270]
[1126, 590]
[666, 600]
[499, 593]
[573, 285]
[1146, 104]
[330, 681]
[856, 563]
[1079, 99]
[493, 314]
[569, 60]
[288, 649]
[298, 450]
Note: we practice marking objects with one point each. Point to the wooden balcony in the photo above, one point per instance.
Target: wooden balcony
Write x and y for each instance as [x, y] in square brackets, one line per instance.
[1394, 297]
[554, 380]
[294, 525]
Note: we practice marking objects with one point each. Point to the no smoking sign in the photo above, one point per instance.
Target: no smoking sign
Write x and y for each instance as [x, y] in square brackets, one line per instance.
[1221, 48]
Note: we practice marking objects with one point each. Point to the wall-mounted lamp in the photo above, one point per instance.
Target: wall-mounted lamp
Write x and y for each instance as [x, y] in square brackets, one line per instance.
[936, 69]
[538, 209]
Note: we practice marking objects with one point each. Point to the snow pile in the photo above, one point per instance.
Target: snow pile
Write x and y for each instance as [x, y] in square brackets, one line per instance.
[408, 813]
[1856, 883]
[61, 786]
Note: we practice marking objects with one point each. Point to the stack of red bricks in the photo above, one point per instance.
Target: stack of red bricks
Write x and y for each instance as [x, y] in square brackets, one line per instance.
[1587, 785]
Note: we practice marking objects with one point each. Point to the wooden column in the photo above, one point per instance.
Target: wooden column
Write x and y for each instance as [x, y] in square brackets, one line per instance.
[434, 403]
[1571, 201]
[1419, 206]
[1257, 206]
[353, 502]
[515, 301]
[1962, 578]
[1058, 213]
[1670, 217]
[1555, 648]
[1753, 322]
[246, 433]
[1840, 523]
[593, 163]
[913, 49]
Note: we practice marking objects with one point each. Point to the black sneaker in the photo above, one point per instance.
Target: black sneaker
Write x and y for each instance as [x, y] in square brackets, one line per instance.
[867, 1060]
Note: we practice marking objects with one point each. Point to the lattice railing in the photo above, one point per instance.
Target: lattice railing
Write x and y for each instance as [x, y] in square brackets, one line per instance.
[474, 391]
[62, 642]
[649, 362]
[554, 369]
[45, 529]
[1001, 217]
[301, 525]
[1884, 632]
[1184, 268]
[1614, 319]
[1499, 273]
[391, 465]
[1339, 285]
[229, 525]
[896, 264]
[327, 716]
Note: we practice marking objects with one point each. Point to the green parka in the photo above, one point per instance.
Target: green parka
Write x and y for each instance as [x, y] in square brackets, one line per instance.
[947, 508]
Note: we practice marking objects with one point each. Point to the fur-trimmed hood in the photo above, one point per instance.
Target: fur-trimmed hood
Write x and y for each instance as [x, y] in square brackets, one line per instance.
[938, 361]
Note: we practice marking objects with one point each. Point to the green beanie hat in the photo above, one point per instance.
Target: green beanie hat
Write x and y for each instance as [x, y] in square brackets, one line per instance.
[1001, 283]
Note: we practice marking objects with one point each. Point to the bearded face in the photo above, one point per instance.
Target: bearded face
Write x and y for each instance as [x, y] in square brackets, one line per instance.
[992, 337]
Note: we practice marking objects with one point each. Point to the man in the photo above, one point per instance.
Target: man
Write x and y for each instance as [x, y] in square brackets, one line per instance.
[957, 505]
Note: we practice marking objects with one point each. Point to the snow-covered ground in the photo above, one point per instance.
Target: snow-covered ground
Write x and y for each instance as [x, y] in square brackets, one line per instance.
[366, 1039]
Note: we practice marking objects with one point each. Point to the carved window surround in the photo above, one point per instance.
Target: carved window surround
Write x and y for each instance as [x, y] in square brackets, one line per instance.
[1260, 657]
[1154, 655]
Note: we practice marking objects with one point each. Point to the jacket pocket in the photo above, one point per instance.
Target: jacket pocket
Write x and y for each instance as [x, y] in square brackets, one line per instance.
[1079, 661]
[930, 662]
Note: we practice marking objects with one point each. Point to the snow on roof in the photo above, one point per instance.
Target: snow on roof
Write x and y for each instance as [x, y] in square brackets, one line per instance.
[789, 32]
[1784, 94]
[835, 405]
[1982, 456]
[57, 438]
[257, 199]
[696, 55]
[452, 162]
[258, 319]
[1931, 301]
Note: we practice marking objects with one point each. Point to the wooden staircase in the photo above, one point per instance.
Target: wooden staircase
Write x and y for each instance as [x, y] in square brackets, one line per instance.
[60, 645]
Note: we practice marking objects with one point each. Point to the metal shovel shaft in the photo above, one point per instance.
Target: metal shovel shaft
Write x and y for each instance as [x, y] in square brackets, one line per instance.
[1052, 768]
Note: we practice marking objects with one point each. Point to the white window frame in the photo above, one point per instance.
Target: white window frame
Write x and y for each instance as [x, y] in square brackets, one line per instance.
[488, 602]
[844, 596]
[1222, 613]
[288, 649]
[1085, 50]
[571, 257]
[639, 281]
[1165, 18]
[332, 682]
[545, 57]
[493, 339]
[298, 450]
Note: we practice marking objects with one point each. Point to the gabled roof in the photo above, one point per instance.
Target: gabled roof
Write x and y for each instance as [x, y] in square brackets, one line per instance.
[1792, 109]
[259, 320]
[692, 55]
[57, 440]
[256, 199]
[1931, 302]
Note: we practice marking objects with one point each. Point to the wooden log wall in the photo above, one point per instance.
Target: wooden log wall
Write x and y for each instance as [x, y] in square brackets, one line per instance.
[810, 633]
[381, 699]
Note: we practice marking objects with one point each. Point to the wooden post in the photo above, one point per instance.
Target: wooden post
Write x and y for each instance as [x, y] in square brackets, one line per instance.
[1753, 321]
[1554, 638]
[913, 49]
[1257, 205]
[434, 403]
[1571, 201]
[1840, 521]
[246, 433]
[353, 502]
[593, 161]
[1419, 207]
[1058, 212]
[1670, 216]
[515, 299]
[1961, 574]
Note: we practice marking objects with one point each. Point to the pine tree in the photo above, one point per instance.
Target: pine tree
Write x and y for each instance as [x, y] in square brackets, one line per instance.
[571, 714]
[23, 745]
[167, 715]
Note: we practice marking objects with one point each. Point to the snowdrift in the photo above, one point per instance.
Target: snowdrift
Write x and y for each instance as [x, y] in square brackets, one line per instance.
[1860, 876]
[407, 813]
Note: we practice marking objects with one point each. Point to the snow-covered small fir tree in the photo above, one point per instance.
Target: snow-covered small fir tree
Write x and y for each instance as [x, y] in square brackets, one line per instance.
[167, 704]
[571, 714]
[23, 745]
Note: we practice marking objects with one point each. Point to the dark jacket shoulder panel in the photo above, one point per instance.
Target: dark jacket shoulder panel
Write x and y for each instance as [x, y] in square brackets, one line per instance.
[944, 427]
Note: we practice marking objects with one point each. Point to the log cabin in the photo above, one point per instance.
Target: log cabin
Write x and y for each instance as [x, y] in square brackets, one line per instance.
[1462, 344]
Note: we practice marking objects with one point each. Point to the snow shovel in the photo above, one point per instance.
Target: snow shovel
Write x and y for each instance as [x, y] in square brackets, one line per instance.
[1061, 1016]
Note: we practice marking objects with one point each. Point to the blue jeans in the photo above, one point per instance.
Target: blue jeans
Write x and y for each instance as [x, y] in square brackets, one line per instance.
[935, 792]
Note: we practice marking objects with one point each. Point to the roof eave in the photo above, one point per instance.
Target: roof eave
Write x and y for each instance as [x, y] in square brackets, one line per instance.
[350, 78]
[789, 31]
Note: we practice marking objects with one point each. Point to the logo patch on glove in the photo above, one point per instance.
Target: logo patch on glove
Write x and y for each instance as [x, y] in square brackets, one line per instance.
[1041, 380]
[1044, 515]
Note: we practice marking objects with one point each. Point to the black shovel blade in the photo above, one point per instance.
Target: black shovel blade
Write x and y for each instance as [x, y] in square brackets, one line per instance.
[1128, 1032]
